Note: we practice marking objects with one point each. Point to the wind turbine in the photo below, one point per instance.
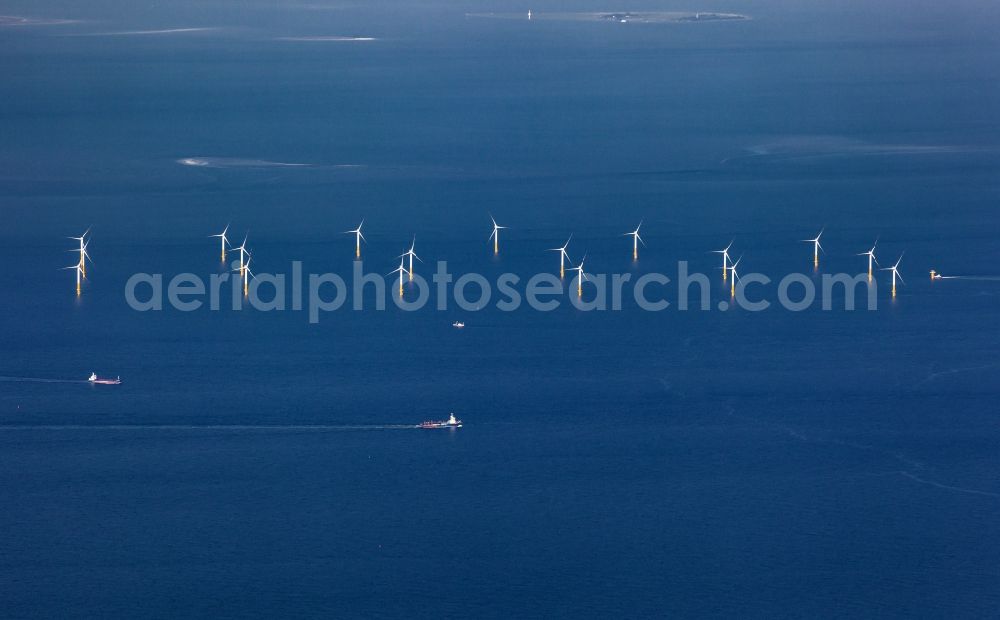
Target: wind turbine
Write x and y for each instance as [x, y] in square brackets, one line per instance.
[83, 250]
[895, 274]
[816, 247]
[243, 251]
[635, 241]
[871, 258]
[79, 275]
[736, 276]
[411, 254]
[224, 240]
[563, 257]
[358, 237]
[246, 274]
[581, 277]
[495, 235]
[84, 256]
[401, 270]
[725, 259]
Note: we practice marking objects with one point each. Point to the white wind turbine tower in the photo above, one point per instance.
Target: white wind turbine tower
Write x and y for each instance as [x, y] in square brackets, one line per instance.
[358, 238]
[246, 274]
[563, 257]
[495, 235]
[816, 247]
[400, 270]
[635, 241]
[224, 240]
[79, 275]
[895, 274]
[411, 254]
[82, 250]
[242, 249]
[725, 259]
[581, 277]
[736, 276]
[871, 258]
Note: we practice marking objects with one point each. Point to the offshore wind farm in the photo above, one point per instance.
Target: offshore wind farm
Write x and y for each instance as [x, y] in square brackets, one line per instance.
[395, 310]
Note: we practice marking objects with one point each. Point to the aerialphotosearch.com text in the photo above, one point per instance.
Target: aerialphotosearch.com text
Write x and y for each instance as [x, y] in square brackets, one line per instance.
[321, 293]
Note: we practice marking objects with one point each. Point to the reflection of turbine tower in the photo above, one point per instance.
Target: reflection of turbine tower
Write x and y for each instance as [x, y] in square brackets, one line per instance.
[635, 241]
[563, 257]
[224, 240]
[816, 247]
[581, 277]
[495, 235]
[411, 254]
[871, 258]
[82, 250]
[725, 259]
[895, 274]
[358, 237]
[79, 275]
[401, 270]
[736, 276]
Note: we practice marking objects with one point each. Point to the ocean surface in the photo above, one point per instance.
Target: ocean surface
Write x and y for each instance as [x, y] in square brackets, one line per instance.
[613, 463]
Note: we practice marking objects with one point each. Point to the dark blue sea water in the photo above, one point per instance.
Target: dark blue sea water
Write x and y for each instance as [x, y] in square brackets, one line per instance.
[613, 464]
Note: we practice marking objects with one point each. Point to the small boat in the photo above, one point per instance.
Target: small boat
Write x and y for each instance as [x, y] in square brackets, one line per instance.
[458, 325]
[451, 422]
[99, 381]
